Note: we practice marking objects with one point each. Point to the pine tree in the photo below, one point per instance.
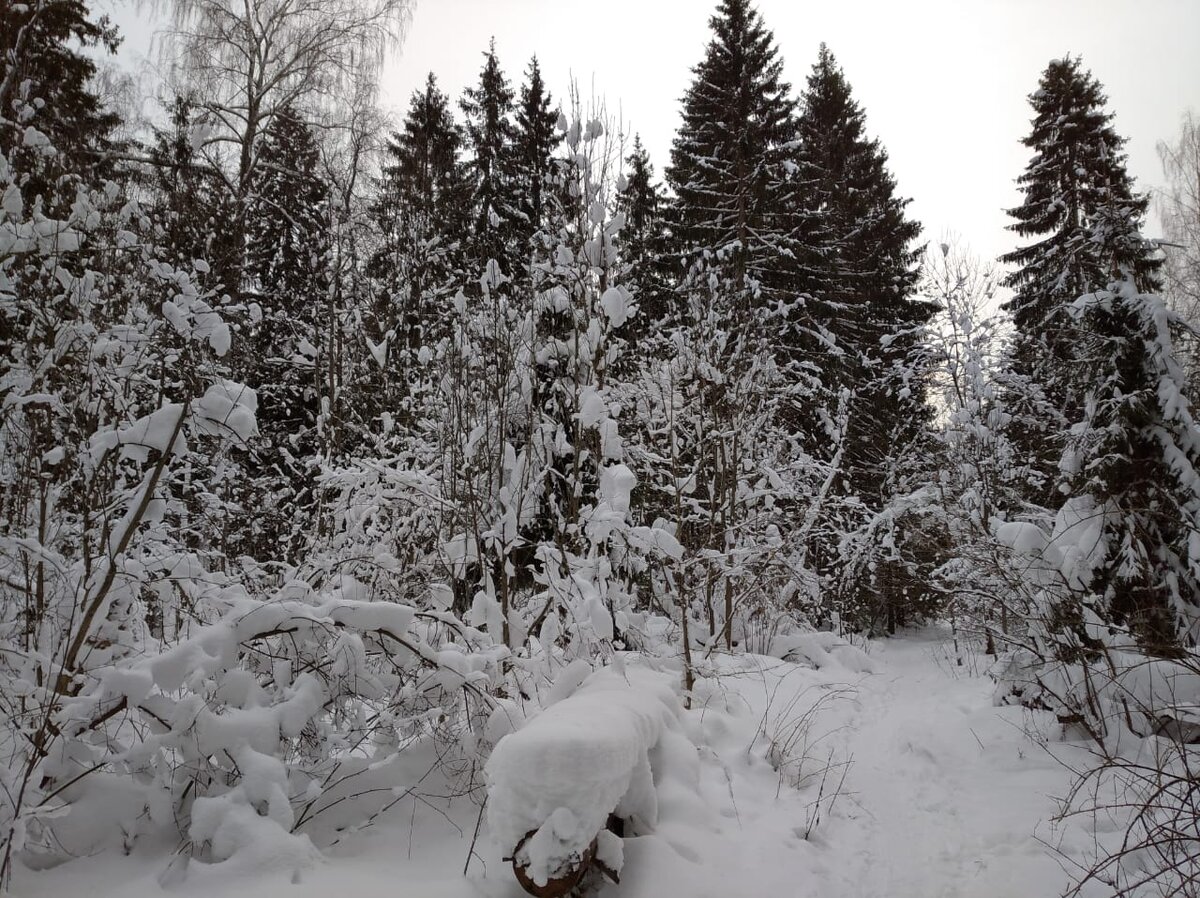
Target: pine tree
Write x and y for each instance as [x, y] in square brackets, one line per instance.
[537, 136]
[1077, 169]
[491, 137]
[729, 160]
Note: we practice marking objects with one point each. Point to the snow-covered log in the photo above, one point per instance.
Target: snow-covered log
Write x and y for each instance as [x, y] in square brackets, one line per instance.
[553, 783]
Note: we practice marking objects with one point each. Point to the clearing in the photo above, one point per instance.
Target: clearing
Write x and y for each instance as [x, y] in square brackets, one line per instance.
[888, 774]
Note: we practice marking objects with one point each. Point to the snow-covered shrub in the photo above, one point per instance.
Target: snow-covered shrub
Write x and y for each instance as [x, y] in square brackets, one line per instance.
[109, 400]
[312, 688]
[716, 458]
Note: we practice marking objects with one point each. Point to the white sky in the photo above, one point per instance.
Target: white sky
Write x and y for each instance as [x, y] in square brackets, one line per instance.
[943, 82]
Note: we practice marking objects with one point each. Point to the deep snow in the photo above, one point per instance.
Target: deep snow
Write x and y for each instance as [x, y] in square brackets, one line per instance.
[830, 783]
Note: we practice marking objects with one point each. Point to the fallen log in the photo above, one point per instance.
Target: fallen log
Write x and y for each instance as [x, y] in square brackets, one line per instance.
[557, 785]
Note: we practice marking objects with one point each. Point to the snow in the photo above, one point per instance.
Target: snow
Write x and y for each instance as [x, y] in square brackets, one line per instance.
[567, 769]
[617, 305]
[949, 795]
[740, 795]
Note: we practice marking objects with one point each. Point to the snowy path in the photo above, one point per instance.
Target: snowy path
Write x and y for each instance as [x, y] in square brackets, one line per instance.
[943, 800]
[946, 791]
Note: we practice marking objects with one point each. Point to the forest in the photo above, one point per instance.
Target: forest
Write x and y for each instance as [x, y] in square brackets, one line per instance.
[475, 442]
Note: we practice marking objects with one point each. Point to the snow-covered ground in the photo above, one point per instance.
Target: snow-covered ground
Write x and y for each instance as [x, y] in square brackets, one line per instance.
[890, 776]
[950, 794]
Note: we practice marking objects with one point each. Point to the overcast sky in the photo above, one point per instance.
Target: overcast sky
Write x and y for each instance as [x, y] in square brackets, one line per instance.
[943, 82]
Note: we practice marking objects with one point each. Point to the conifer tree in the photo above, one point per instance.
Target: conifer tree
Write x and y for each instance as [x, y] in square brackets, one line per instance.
[424, 213]
[536, 138]
[858, 268]
[642, 204]
[288, 215]
[287, 274]
[46, 66]
[859, 261]
[491, 138]
[191, 203]
[1076, 171]
[640, 201]
[1133, 460]
[423, 216]
[729, 160]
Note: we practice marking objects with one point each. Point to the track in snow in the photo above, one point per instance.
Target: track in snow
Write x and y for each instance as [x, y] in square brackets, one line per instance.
[948, 795]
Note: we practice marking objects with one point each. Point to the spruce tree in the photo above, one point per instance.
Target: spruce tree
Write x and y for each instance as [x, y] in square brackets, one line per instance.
[536, 138]
[732, 236]
[1077, 170]
[288, 216]
[491, 138]
[287, 265]
[858, 269]
[46, 67]
[423, 215]
[730, 158]
[1134, 457]
[640, 200]
[860, 263]
[190, 201]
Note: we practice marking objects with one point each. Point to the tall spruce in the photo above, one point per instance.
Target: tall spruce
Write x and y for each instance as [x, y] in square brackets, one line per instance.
[860, 262]
[423, 215]
[730, 158]
[287, 265]
[858, 268]
[537, 136]
[1076, 173]
[47, 66]
[491, 139]
[641, 202]
[190, 200]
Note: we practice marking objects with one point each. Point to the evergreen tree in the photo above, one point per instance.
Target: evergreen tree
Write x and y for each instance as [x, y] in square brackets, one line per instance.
[491, 138]
[860, 262]
[423, 214]
[1077, 170]
[729, 160]
[1134, 458]
[640, 200]
[288, 215]
[46, 66]
[858, 268]
[287, 275]
[191, 203]
[537, 136]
